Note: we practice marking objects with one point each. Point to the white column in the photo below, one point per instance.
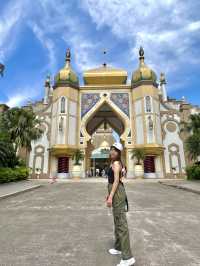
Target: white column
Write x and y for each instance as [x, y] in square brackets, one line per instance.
[129, 164]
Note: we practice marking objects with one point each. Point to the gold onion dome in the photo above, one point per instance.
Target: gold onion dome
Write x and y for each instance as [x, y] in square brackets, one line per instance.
[143, 73]
[66, 76]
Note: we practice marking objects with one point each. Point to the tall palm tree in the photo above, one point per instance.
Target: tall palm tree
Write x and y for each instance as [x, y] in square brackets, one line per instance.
[193, 140]
[22, 127]
[139, 154]
[78, 156]
[8, 157]
[193, 126]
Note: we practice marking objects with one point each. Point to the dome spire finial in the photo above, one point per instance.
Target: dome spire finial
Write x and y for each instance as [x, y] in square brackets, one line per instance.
[141, 55]
[162, 78]
[68, 57]
[104, 52]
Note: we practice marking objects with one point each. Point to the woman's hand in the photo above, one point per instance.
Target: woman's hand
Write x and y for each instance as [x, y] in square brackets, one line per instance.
[109, 201]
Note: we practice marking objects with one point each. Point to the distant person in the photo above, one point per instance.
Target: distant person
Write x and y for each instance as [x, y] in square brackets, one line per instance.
[103, 173]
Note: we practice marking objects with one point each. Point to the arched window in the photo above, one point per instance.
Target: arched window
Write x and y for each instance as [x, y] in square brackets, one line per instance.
[62, 106]
[148, 104]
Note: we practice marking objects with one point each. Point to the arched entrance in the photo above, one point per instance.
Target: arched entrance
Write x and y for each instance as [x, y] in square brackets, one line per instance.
[104, 127]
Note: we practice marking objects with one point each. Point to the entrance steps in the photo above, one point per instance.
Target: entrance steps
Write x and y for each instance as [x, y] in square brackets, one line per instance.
[104, 180]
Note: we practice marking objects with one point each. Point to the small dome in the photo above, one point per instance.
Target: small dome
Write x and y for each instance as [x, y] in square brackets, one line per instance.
[143, 73]
[66, 76]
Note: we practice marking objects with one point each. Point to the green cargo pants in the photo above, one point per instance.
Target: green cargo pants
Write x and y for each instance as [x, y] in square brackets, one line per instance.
[122, 241]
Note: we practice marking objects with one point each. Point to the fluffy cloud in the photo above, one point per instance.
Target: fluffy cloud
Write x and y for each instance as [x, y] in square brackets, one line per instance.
[166, 29]
[10, 21]
[23, 95]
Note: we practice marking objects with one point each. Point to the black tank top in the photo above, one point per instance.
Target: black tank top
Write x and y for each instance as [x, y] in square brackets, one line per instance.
[111, 177]
[110, 174]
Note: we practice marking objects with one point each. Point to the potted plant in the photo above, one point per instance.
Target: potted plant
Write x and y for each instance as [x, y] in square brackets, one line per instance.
[76, 169]
[139, 155]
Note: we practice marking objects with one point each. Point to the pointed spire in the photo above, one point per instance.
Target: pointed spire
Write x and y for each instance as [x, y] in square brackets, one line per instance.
[141, 55]
[162, 86]
[104, 52]
[162, 78]
[48, 81]
[47, 87]
[2, 68]
[68, 57]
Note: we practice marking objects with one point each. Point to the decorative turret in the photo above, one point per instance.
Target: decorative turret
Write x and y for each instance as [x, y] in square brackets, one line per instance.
[67, 76]
[143, 74]
[47, 87]
[162, 86]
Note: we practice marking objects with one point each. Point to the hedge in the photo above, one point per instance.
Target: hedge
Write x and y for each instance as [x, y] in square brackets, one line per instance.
[13, 174]
[193, 172]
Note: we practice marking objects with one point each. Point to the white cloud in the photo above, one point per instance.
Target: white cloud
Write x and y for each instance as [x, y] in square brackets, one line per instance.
[10, 22]
[46, 42]
[21, 96]
[166, 29]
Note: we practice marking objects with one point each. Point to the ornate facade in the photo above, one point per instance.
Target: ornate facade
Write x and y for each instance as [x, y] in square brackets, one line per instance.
[140, 112]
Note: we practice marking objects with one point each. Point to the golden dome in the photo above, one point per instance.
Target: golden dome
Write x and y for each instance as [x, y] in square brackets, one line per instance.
[143, 73]
[104, 76]
[66, 76]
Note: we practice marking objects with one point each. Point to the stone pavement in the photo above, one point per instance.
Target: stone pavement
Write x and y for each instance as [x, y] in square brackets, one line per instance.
[192, 186]
[67, 223]
[13, 188]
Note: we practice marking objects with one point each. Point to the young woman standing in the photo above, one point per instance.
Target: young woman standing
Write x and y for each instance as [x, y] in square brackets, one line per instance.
[117, 199]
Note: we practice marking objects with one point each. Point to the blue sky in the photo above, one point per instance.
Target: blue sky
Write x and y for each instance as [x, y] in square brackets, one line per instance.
[34, 36]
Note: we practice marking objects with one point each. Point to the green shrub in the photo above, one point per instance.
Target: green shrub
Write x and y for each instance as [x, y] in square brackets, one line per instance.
[193, 172]
[13, 174]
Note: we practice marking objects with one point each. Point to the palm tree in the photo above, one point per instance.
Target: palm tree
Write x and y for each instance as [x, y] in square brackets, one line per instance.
[193, 125]
[78, 156]
[8, 157]
[192, 142]
[22, 126]
[139, 154]
[193, 146]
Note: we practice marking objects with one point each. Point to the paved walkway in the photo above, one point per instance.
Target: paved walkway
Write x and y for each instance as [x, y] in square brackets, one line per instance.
[192, 186]
[13, 188]
[68, 224]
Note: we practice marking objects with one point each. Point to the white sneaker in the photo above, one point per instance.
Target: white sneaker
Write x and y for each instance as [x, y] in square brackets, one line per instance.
[114, 251]
[128, 262]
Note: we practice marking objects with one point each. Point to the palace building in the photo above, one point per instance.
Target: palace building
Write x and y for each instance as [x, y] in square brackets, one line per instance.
[84, 117]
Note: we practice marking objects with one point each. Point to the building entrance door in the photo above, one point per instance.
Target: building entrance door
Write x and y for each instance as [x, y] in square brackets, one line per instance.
[63, 167]
[149, 167]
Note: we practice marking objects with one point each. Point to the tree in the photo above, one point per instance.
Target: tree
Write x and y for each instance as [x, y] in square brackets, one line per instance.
[78, 156]
[8, 157]
[20, 126]
[193, 140]
[139, 154]
[193, 146]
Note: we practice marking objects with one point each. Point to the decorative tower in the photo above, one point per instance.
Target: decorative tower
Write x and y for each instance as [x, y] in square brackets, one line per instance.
[146, 114]
[162, 86]
[64, 129]
[47, 87]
